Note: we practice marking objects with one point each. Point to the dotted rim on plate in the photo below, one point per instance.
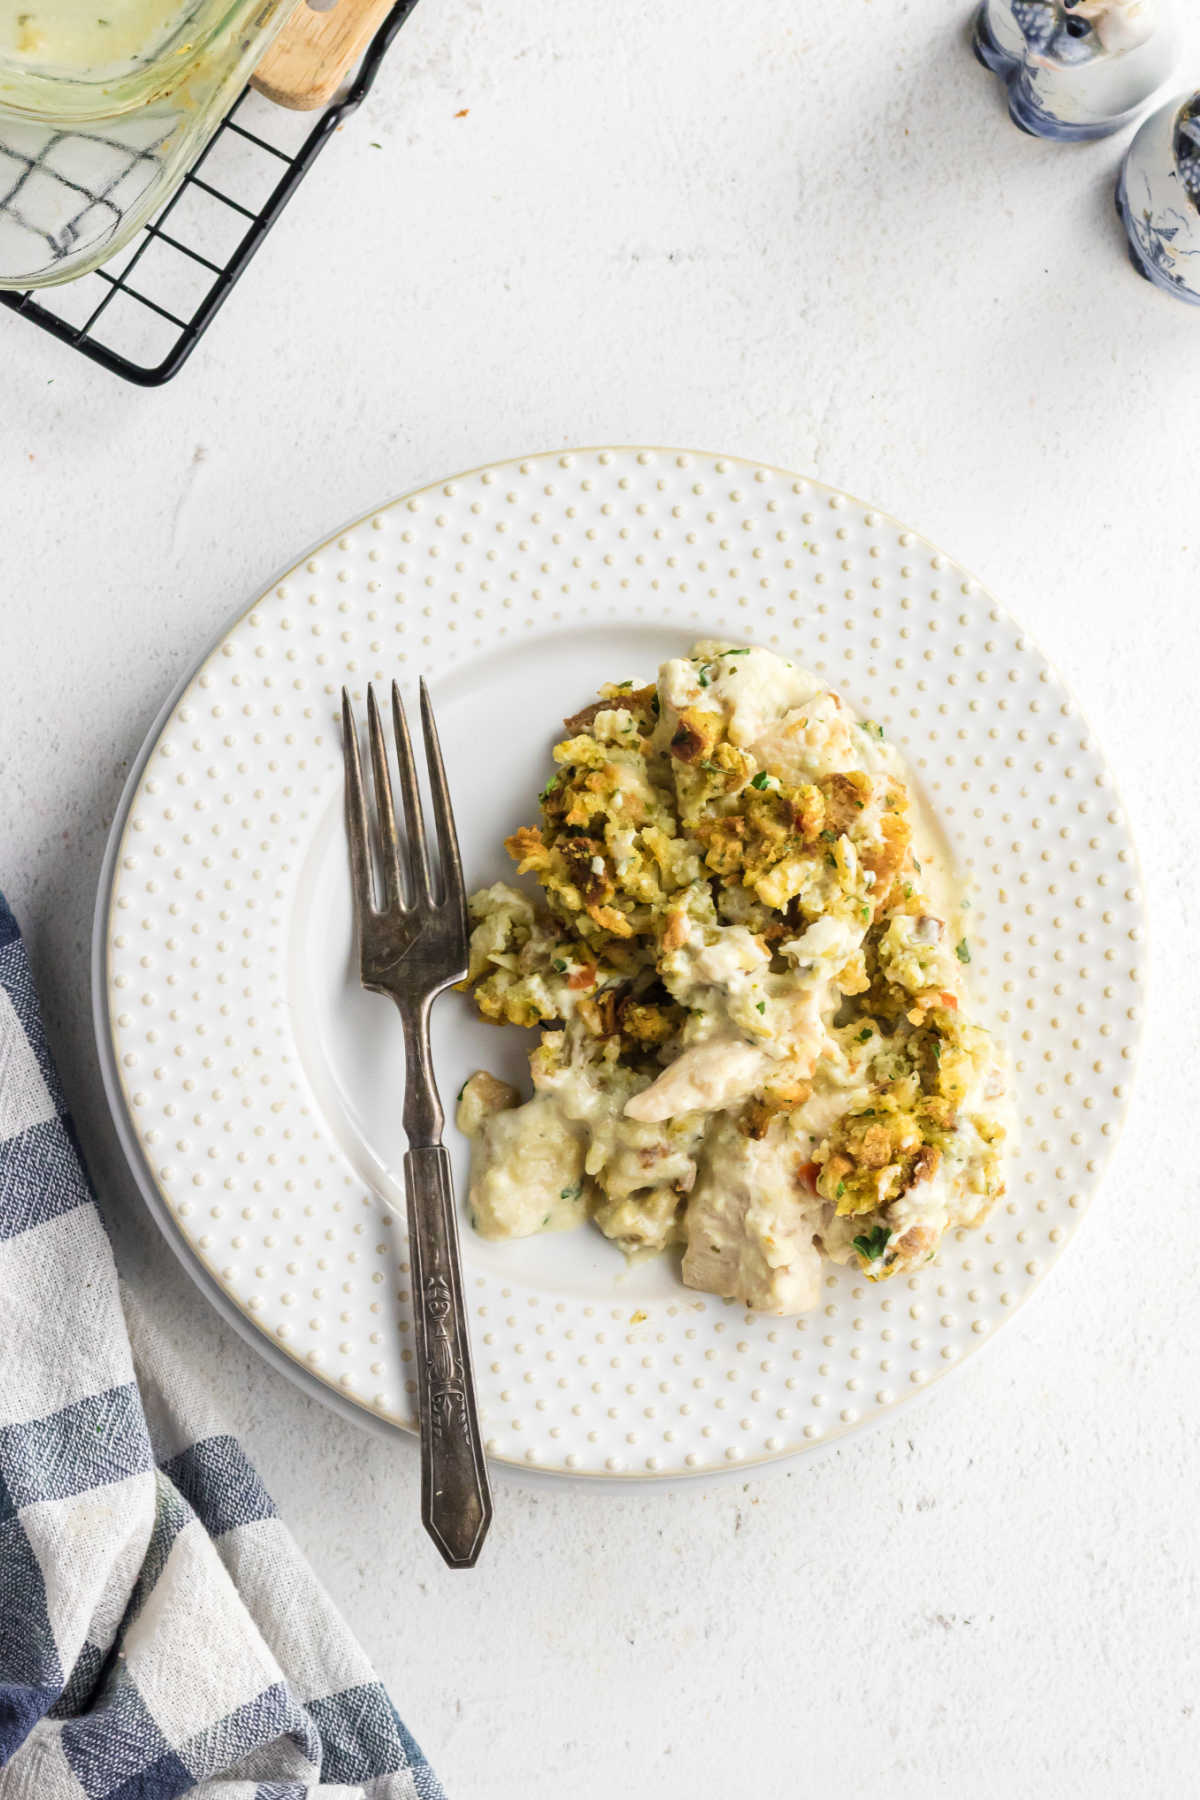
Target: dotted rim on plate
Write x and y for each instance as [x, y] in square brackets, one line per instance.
[209, 847]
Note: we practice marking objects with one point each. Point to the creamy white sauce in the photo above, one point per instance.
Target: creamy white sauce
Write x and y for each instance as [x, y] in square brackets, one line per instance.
[823, 947]
[527, 1172]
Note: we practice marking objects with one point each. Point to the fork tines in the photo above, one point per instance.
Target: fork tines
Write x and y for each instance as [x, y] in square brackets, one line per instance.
[408, 873]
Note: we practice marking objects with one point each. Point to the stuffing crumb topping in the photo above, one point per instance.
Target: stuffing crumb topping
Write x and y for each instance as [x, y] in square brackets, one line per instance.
[755, 1038]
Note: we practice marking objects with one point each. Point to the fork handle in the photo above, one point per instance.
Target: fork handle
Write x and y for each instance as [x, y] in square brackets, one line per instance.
[456, 1500]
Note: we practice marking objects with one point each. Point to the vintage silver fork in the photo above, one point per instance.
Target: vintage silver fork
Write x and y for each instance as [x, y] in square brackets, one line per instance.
[412, 948]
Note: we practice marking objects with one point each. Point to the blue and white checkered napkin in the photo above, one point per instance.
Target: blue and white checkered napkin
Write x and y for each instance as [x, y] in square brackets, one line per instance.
[160, 1634]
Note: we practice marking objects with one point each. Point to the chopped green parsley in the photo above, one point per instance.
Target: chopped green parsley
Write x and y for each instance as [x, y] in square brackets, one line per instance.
[872, 1244]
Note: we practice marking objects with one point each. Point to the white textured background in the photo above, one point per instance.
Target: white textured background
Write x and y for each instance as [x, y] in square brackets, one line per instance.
[800, 230]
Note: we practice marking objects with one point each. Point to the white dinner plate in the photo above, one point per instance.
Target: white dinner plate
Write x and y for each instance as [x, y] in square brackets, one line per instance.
[257, 1088]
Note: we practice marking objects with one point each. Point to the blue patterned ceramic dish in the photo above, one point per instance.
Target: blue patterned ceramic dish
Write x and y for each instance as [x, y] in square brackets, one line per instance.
[1158, 197]
[1076, 69]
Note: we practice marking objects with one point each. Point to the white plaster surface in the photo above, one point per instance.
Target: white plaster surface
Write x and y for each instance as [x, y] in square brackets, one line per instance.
[800, 230]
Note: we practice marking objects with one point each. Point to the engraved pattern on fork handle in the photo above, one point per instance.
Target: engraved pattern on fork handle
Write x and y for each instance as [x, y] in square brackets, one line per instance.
[456, 1501]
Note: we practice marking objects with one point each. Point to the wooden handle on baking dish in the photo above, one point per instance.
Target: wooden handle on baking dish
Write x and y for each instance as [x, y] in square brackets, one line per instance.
[314, 52]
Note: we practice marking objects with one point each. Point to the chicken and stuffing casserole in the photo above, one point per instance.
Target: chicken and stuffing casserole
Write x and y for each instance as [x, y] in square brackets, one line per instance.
[754, 1033]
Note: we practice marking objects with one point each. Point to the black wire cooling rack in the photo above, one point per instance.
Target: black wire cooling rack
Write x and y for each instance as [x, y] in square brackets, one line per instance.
[143, 315]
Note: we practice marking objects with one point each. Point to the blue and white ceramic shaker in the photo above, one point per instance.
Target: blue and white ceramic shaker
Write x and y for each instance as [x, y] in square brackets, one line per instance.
[1076, 68]
[1158, 196]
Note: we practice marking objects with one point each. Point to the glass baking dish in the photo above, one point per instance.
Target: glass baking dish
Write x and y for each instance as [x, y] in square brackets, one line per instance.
[102, 109]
